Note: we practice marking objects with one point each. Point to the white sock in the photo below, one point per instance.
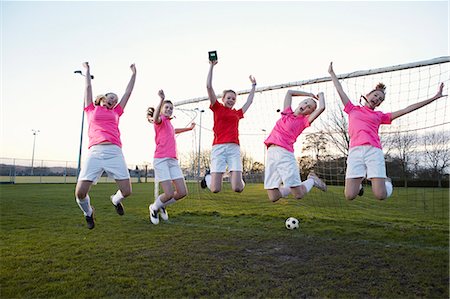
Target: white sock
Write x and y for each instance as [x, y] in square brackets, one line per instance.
[117, 198]
[389, 188]
[309, 183]
[360, 186]
[208, 181]
[169, 202]
[158, 203]
[285, 191]
[85, 205]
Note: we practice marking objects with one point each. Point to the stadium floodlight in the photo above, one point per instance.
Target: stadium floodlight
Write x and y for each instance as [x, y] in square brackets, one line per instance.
[35, 132]
[82, 127]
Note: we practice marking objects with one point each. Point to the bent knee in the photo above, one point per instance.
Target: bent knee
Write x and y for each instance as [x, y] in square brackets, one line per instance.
[80, 194]
[380, 196]
[126, 193]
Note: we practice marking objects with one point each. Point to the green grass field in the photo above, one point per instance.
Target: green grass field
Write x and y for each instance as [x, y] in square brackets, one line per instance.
[224, 245]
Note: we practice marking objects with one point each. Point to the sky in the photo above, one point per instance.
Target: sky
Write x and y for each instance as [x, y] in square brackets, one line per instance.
[43, 43]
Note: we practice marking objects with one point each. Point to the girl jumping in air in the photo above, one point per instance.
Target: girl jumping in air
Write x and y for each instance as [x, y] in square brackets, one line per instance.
[105, 147]
[226, 150]
[167, 169]
[281, 166]
[365, 157]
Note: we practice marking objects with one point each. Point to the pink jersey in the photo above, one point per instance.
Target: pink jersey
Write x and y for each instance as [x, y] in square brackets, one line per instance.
[103, 124]
[287, 129]
[363, 125]
[166, 146]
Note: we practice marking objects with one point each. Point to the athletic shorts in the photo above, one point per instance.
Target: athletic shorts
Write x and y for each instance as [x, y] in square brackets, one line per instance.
[167, 169]
[104, 158]
[226, 154]
[281, 167]
[365, 160]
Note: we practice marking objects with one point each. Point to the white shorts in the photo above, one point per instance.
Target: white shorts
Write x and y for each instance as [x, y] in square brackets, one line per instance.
[167, 169]
[281, 166]
[104, 158]
[365, 160]
[226, 154]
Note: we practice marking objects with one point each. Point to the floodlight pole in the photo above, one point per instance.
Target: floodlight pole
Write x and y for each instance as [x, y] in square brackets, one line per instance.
[82, 128]
[199, 142]
[34, 143]
[81, 142]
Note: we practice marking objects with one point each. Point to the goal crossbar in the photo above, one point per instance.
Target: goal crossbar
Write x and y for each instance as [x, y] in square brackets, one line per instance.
[438, 60]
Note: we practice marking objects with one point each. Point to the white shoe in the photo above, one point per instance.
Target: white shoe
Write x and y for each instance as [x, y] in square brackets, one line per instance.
[153, 215]
[163, 213]
[318, 183]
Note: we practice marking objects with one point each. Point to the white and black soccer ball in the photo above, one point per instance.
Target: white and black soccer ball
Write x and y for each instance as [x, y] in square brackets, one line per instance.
[292, 223]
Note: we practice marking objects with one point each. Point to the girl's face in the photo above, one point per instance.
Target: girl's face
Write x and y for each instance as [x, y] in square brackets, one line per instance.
[110, 102]
[374, 99]
[229, 99]
[306, 107]
[167, 109]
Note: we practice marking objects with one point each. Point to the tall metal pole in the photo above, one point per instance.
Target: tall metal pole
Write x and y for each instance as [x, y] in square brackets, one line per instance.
[199, 143]
[82, 128]
[34, 144]
[81, 142]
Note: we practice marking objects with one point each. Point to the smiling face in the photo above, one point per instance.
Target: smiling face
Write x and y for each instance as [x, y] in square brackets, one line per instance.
[374, 99]
[167, 109]
[109, 100]
[229, 98]
[306, 107]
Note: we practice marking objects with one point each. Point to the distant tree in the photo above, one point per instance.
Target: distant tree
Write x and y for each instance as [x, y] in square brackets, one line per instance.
[336, 131]
[437, 153]
[402, 147]
[316, 143]
[247, 162]
[257, 167]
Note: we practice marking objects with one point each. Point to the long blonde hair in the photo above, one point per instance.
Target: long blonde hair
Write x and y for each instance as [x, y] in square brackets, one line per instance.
[99, 98]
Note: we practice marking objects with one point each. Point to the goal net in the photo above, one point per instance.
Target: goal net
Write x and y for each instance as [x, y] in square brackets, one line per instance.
[416, 145]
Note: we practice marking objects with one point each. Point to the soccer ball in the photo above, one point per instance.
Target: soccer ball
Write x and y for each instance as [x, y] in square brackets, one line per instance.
[292, 223]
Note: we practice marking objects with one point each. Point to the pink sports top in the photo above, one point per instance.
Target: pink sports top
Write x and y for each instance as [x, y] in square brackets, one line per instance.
[287, 129]
[103, 124]
[363, 125]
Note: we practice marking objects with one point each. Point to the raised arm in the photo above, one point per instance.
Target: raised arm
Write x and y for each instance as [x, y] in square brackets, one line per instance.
[337, 85]
[250, 95]
[156, 114]
[295, 93]
[182, 130]
[416, 106]
[88, 88]
[127, 94]
[319, 109]
[209, 88]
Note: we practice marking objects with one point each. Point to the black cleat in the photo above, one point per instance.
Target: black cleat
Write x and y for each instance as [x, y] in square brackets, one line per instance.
[361, 191]
[203, 181]
[203, 184]
[90, 220]
[119, 209]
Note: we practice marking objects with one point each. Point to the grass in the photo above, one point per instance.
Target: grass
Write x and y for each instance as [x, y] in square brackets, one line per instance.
[223, 245]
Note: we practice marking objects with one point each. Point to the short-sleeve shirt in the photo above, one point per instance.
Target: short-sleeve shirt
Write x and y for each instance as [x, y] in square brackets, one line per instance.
[287, 129]
[363, 125]
[226, 123]
[166, 146]
[103, 124]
